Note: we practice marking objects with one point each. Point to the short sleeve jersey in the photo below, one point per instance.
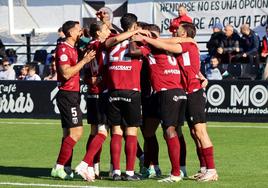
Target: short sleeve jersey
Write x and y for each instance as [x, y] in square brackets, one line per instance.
[67, 55]
[164, 69]
[97, 67]
[123, 71]
[189, 61]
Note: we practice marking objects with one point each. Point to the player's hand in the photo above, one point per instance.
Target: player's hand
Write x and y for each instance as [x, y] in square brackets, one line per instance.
[204, 83]
[89, 56]
[93, 80]
[145, 32]
[137, 38]
[220, 50]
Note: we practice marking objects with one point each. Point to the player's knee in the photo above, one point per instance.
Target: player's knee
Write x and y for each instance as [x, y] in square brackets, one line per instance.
[132, 131]
[170, 132]
[116, 129]
[201, 132]
[76, 135]
[103, 129]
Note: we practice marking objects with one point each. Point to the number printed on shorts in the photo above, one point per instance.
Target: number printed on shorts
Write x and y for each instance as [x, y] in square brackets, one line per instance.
[119, 52]
[74, 112]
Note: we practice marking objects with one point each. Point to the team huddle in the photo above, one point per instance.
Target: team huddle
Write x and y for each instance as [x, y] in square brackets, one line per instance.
[135, 79]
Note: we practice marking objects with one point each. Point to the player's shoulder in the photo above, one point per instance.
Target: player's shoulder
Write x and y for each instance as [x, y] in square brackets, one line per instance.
[189, 45]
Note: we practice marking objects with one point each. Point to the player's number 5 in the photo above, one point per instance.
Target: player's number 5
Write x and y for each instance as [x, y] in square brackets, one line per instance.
[74, 112]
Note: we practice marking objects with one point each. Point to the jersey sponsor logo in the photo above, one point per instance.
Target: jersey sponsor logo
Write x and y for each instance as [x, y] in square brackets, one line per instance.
[64, 57]
[112, 99]
[120, 67]
[171, 71]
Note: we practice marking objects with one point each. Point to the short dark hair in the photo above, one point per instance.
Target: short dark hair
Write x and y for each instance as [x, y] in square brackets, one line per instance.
[94, 28]
[60, 30]
[142, 24]
[67, 26]
[189, 28]
[127, 21]
[215, 57]
[153, 27]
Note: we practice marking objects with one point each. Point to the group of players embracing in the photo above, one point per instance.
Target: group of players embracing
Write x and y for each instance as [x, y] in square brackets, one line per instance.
[137, 79]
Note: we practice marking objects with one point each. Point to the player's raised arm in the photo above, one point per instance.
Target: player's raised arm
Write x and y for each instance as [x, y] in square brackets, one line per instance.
[123, 36]
[173, 48]
[68, 71]
[175, 40]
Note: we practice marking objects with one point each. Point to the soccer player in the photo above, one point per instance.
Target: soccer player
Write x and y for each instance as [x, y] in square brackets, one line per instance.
[150, 120]
[68, 97]
[124, 109]
[165, 80]
[189, 61]
[96, 102]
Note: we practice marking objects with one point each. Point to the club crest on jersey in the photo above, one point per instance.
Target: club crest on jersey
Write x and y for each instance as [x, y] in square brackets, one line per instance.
[75, 120]
[176, 98]
[64, 57]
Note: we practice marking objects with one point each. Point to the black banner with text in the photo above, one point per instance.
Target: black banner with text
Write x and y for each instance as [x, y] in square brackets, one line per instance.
[239, 100]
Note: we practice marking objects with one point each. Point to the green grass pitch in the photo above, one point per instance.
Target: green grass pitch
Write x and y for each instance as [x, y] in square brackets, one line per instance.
[30, 147]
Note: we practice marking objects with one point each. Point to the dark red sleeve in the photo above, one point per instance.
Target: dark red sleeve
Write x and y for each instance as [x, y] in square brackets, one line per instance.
[63, 56]
[264, 45]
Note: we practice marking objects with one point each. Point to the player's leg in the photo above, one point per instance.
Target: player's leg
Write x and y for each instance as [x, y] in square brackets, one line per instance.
[198, 122]
[168, 112]
[71, 117]
[201, 158]
[131, 112]
[114, 118]
[151, 148]
[85, 167]
[183, 152]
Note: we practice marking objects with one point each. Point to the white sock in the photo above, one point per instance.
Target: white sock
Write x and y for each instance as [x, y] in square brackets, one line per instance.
[58, 166]
[97, 168]
[130, 173]
[203, 169]
[118, 172]
[83, 164]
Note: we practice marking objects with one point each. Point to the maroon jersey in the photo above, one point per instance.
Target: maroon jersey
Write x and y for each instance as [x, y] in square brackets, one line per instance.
[123, 71]
[164, 69]
[67, 54]
[189, 62]
[96, 68]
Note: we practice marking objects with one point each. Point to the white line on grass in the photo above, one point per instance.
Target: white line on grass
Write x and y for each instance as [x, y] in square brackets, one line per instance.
[238, 126]
[210, 126]
[46, 185]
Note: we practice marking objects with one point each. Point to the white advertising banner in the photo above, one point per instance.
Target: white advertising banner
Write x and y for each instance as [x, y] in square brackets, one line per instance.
[206, 13]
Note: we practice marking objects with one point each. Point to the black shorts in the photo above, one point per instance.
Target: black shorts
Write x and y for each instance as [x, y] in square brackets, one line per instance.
[182, 109]
[149, 106]
[69, 106]
[169, 104]
[97, 108]
[195, 108]
[124, 108]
